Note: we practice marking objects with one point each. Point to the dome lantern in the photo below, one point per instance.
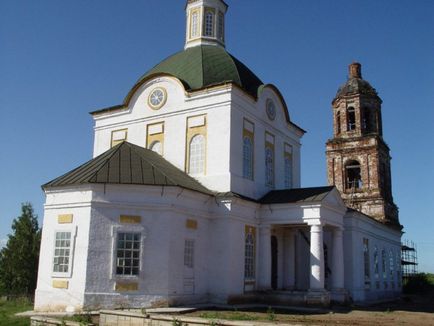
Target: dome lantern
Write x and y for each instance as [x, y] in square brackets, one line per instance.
[205, 22]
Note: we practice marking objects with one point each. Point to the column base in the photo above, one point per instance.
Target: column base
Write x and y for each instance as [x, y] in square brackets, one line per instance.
[339, 295]
[318, 297]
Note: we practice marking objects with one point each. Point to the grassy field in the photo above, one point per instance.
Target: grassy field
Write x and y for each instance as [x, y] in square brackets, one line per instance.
[9, 308]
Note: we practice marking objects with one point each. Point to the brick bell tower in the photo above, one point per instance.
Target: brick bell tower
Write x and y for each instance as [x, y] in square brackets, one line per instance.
[358, 159]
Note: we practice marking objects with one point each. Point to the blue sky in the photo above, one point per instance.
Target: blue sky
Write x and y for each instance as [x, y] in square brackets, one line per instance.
[60, 60]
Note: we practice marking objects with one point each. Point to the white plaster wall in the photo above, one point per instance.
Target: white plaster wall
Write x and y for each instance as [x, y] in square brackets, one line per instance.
[244, 107]
[358, 227]
[214, 104]
[225, 107]
[77, 203]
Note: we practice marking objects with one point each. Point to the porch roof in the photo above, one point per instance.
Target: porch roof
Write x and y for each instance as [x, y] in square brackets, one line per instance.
[296, 195]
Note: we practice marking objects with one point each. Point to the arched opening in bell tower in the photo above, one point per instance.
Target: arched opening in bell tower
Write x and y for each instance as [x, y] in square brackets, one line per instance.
[353, 176]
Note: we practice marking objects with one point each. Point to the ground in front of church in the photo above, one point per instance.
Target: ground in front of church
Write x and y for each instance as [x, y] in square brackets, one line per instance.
[410, 310]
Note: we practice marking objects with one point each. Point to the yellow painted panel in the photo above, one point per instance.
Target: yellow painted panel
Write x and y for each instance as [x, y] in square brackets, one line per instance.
[64, 218]
[60, 284]
[130, 219]
[126, 287]
[191, 224]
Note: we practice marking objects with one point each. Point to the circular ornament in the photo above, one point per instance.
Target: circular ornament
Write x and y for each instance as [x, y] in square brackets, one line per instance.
[271, 109]
[157, 98]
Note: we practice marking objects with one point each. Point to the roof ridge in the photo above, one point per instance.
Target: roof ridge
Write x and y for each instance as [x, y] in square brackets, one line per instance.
[155, 167]
[115, 150]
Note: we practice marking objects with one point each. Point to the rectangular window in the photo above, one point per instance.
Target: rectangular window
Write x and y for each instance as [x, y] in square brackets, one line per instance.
[269, 160]
[288, 166]
[62, 252]
[194, 24]
[221, 27]
[128, 254]
[367, 268]
[249, 253]
[209, 23]
[383, 267]
[118, 136]
[196, 145]
[189, 253]
[248, 146]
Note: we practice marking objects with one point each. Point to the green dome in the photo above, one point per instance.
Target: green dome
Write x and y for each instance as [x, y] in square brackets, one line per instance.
[205, 66]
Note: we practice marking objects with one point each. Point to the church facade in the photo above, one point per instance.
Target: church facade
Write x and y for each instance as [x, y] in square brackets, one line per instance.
[193, 194]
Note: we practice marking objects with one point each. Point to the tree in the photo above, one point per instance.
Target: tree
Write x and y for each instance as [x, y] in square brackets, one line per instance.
[19, 258]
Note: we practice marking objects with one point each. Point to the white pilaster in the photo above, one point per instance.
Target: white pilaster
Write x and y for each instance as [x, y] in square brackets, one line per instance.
[338, 260]
[289, 261]
[316, 257]
[264, 258]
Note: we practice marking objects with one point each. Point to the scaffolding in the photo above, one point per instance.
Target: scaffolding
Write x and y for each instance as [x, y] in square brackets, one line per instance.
[408, 259]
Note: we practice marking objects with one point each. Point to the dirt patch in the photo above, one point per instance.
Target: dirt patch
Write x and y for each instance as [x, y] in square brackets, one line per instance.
[409, 310]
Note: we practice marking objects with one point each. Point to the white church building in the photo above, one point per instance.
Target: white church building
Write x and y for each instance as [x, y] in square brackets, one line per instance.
[193, 194]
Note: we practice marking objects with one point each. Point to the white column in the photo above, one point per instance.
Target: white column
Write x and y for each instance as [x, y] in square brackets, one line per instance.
[289, 267]
[316, 258]
[338, 275]
[264, 258]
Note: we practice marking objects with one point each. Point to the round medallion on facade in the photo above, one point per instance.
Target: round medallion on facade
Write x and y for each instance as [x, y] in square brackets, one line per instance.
[271, 109]
[157, 98]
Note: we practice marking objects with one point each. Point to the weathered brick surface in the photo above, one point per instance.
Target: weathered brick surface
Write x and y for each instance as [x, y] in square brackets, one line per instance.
[362, 142]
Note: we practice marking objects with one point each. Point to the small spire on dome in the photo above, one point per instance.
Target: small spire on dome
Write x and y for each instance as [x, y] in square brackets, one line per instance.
[355, 70]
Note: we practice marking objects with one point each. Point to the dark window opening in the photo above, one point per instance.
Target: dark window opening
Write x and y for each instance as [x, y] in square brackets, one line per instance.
[369, 122]
[351, 118]
[353, 175]
[338, 123]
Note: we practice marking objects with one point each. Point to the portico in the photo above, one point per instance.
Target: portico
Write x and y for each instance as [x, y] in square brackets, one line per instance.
[300, 246]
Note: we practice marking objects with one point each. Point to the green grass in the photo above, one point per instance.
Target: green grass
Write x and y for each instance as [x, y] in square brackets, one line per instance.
[228, 315]
[8, 309]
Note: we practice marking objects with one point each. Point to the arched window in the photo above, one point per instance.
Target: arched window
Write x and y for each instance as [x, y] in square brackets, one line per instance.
[376, 268]
[247, 158]
[209, 24]
[391, 266]
[353, 175]
[249, 258]
[196, 162]
[194, 24]
[384, 266]
[221, 27]
[351, 119]
[269, 166]
[288, 171]
[338, 123]
[157, 147]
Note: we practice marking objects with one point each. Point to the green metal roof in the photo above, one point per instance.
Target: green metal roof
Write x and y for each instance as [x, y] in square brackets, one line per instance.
[130, 164]
[207, 65]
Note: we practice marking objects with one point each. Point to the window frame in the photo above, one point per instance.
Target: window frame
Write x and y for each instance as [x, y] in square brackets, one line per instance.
[353, 165]
[194, 29]
[153, 144]
[203, 145]
[127, 228]
[351, 119]
[250, 260]
[209, 12]
[189, 253]
[73, 232]
[131, 251]
[366, 264]
[288, 174]
[114, 142]
[248, 159]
